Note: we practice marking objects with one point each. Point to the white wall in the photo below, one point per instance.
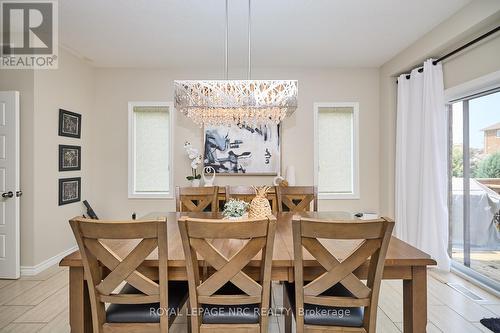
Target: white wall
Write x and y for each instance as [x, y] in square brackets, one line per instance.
[116, 87]
[470, 22]
[479, 61]
[45, 231]
[71, 88]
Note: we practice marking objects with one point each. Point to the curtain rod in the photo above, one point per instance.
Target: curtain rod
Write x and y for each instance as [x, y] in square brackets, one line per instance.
[461, 48]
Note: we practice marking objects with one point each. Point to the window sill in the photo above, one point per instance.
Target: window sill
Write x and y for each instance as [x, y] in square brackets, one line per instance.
[152, 196]
[338, 196]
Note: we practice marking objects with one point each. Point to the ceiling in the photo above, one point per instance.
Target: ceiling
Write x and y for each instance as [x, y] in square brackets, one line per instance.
[285, 33]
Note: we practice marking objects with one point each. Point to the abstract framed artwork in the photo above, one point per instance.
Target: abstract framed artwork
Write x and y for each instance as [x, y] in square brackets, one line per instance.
[70, 158]
[70, 124]
[69, 190]
[243, 150]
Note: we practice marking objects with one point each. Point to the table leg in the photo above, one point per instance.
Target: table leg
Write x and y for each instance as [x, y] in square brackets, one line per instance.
[415, 301]
[80, 317]
[287, 308]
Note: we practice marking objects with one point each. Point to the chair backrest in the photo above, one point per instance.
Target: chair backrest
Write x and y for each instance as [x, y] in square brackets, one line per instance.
[254, 236]
[374, 235]
[241, 192]
[247, 193]
[152, 235]
[196, 199]
[297, 198]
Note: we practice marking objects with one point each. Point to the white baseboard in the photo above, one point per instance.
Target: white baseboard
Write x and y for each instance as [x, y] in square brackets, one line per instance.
[37, 269]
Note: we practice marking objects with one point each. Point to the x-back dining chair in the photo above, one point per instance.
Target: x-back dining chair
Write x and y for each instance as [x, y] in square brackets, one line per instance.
[196, 199]
[229, 300]
[337, 301]
[297, 198]
[247, 193]
[144, 304]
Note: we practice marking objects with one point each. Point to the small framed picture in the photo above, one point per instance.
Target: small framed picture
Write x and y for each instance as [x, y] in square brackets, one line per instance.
[69, 190]
[70, 158]
[70, 124]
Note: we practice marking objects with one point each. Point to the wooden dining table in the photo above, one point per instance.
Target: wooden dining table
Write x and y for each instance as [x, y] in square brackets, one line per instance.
[403, 262]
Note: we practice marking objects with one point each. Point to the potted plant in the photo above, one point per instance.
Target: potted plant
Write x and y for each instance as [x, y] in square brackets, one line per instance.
[235, 209]
[195, 157]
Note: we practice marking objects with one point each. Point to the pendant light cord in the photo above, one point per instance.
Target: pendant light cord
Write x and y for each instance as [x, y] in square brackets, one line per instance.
[226, 45]
[249, 40]
[226, 42]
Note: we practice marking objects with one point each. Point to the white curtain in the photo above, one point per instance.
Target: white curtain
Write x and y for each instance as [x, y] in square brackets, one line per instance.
[421, 163]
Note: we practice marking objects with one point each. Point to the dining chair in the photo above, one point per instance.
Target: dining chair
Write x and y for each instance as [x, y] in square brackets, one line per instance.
[297, 198]
[337, 300]
[247, 193]
[145, 303]
[229, 300]
[196, 199]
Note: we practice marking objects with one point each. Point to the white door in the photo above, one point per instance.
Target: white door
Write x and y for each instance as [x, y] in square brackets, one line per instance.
[9, 185]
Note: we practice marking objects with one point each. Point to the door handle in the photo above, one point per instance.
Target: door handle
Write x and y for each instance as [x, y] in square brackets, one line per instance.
[19, 193]
[7, 194]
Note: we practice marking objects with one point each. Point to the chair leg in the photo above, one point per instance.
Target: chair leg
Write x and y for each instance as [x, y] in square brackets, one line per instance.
[264, 323]
[188, 320]
[287, 311]
[272, 303]
[195, 327]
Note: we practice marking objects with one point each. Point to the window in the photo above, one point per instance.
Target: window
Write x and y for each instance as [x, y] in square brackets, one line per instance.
[474, 175]
[150, 152]
[336, 150]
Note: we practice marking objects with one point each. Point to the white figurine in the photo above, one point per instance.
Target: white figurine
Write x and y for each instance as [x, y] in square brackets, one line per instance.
[208, 181]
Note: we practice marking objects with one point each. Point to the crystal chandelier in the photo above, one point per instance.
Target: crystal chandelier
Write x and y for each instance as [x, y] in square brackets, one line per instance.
[236, 102]
[228, 102]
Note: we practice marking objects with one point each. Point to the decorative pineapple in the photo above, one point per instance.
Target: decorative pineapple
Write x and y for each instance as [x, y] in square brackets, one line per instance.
[260, 207]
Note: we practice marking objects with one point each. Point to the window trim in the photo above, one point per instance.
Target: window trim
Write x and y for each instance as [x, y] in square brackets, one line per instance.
[355, 194]
[131, 152]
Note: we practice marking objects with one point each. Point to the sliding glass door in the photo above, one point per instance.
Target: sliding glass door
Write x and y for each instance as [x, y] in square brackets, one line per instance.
[474, 200]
